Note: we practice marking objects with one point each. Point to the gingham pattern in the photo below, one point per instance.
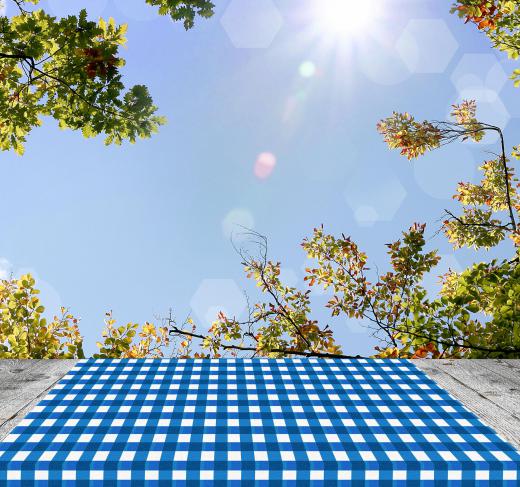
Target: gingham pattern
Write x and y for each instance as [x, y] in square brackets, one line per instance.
[296, 422]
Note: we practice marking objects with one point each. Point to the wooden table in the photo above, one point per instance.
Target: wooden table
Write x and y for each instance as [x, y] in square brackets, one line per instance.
[489, 388]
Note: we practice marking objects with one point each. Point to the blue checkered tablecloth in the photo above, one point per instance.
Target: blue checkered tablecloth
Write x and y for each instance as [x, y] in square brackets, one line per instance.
[229, 421]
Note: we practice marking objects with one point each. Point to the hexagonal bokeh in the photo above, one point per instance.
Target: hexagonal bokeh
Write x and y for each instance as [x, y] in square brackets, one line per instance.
[236, 224]
[215, 295]
[438, 172]
[251, 24]
[5, 268]
[427, 45]
[490, 110]
[481, 77]
[366, 215]
[72, 7]
[380, 62]
[431, 281]
[288, 277]
[376, 198]
[479, 72]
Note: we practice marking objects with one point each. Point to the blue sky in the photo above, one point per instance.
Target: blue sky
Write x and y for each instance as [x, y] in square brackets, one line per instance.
[143, 228]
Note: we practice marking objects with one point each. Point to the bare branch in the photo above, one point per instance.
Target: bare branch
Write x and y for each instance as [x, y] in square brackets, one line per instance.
[178, 331]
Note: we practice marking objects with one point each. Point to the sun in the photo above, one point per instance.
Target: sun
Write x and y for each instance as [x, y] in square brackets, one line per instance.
[342, 19]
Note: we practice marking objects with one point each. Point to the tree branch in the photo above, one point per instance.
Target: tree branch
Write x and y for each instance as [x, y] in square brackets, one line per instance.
[178, 331]
[506, 176]
[482, 224]
[273, 294]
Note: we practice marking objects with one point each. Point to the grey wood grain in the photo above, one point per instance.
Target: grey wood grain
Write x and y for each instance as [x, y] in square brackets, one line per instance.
[508, 369]
[481, 390]
[23, 383]
[492, 385]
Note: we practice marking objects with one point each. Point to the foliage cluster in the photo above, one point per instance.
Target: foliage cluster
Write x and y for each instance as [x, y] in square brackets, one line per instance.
[478, 311]
[499, 20]
[25, 333]
[70, 69]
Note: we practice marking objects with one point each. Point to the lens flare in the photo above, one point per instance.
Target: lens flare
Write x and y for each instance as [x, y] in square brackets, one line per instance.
[237, 223]
[307, 69]
[264, 165]
[345, 18]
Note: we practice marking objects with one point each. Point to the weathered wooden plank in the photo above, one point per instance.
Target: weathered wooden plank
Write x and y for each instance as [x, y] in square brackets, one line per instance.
[495, 387]
[8, 365]
[508, 369]
[495, 413]
[510, 362]
[23, 383]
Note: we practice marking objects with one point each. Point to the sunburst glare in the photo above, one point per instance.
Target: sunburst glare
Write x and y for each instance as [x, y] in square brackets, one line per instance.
[343, 19]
